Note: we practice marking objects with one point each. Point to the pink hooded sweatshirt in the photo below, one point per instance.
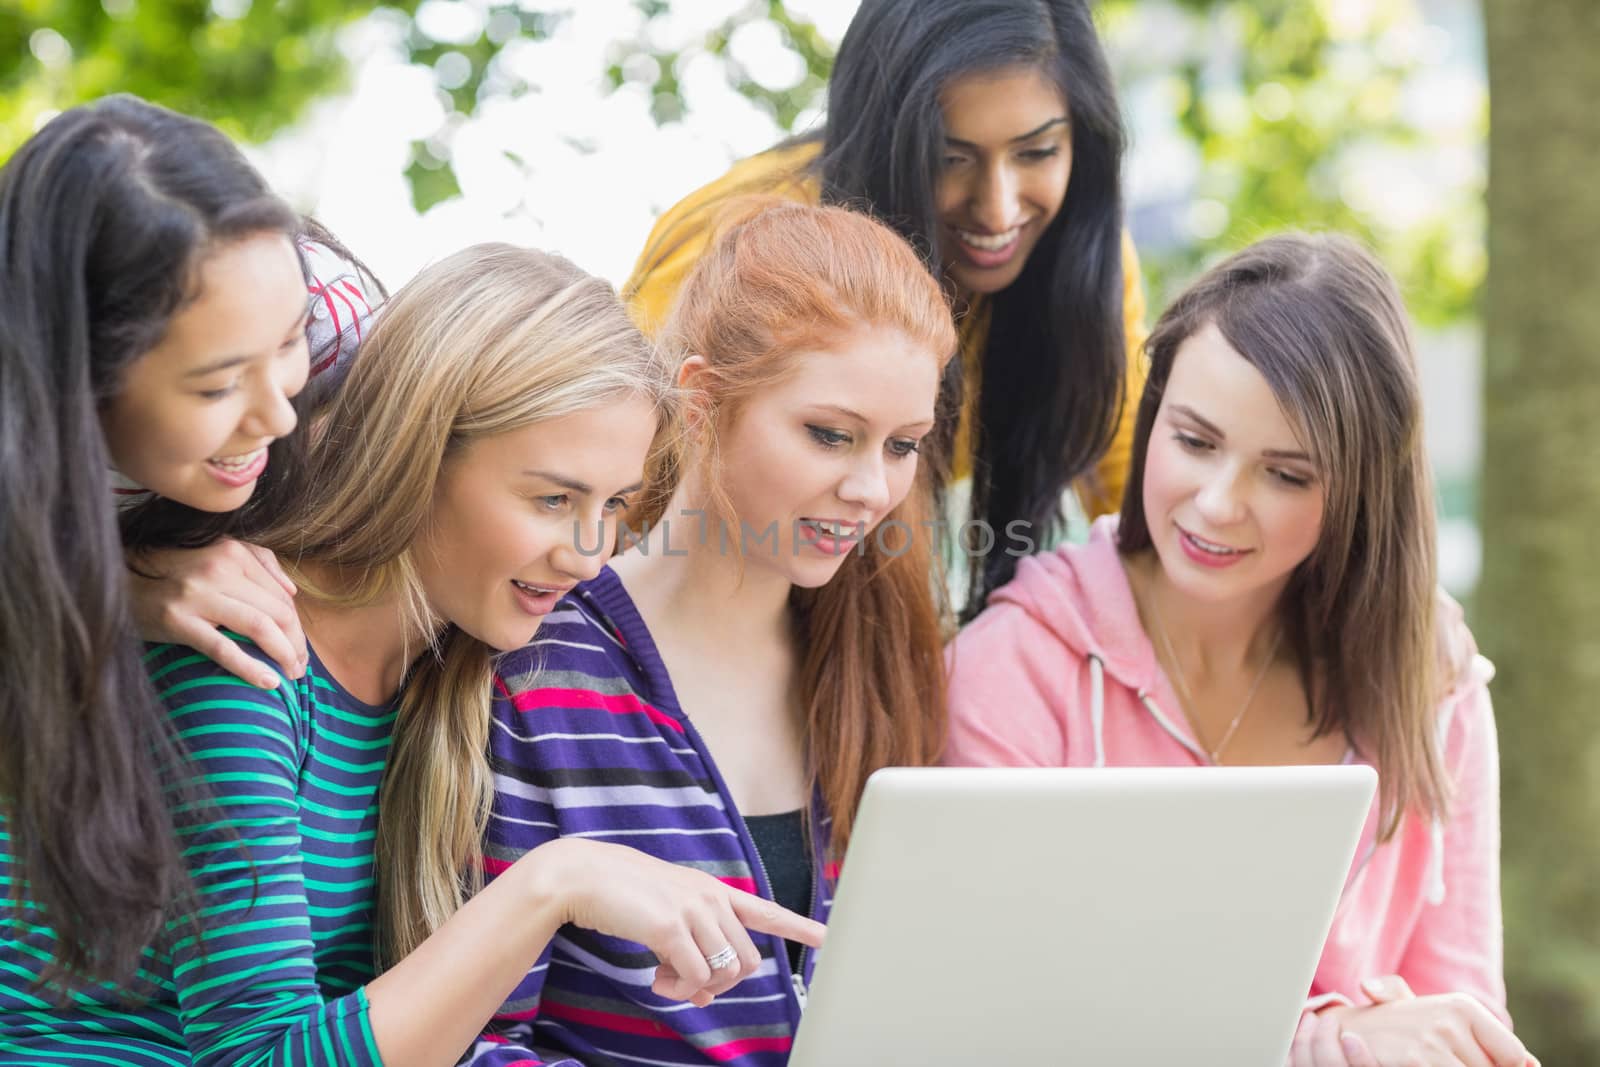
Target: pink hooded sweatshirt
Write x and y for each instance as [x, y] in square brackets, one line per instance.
[1058, 672]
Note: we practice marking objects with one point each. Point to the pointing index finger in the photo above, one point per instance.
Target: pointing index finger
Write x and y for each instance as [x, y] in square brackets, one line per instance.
[769, 918]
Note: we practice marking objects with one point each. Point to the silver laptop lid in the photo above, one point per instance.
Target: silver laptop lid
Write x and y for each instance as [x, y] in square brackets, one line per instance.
[1108, 916]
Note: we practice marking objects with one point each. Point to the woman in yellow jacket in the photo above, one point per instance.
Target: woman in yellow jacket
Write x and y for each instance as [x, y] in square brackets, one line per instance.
[988, 133]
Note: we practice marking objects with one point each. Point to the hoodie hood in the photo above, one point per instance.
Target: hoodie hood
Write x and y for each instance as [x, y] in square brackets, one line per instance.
[1081, 595]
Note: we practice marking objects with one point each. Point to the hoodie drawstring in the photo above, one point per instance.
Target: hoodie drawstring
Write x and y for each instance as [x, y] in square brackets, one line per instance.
[1097, 708]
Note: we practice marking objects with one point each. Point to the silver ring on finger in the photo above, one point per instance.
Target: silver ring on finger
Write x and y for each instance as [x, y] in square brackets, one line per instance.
[726, 958]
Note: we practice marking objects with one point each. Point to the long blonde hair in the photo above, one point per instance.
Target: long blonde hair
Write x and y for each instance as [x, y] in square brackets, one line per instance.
[489, 340]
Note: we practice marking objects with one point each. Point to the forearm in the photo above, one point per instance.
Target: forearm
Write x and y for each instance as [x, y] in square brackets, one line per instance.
[433, 1004]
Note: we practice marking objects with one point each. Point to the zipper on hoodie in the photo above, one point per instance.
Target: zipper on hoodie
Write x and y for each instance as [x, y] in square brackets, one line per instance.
[797, 975]
[764, 882]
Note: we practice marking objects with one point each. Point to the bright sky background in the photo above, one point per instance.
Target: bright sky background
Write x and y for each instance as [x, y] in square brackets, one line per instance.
[601, 170]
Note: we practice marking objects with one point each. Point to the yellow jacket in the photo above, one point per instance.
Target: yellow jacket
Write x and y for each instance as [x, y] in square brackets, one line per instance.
[684, 230]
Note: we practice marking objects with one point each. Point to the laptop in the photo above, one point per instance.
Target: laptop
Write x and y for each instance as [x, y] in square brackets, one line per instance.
[1139, 916]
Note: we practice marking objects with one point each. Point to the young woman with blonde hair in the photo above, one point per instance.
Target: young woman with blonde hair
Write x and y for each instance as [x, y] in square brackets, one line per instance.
[497, 381]
[1269, 596]
[719, 696]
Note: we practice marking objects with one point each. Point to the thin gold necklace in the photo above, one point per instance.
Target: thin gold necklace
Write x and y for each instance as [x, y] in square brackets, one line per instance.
[1186, 697]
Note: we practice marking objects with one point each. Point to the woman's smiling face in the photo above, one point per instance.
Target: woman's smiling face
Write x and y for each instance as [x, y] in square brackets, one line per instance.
[192, 418]
[816, 460]
[1233, 500]
[520, 517]
[1006, 163]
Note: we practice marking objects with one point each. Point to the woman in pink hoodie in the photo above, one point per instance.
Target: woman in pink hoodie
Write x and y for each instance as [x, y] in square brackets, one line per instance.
[1268, 596]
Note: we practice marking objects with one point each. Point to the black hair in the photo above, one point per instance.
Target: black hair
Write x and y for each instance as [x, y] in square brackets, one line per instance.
[158, 522]
[1054, 362]
[105, 217]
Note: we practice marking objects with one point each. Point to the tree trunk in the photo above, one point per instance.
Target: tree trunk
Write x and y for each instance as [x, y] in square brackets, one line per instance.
[1538, 607]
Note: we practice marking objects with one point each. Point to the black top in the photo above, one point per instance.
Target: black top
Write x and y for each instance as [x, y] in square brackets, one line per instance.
[781, 840]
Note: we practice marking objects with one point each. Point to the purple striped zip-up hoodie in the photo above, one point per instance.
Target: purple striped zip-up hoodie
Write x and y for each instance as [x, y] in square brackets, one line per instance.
[588, 740]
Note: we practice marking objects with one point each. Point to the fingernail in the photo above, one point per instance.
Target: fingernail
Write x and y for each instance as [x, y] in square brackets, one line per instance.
[1351, 1044]
[1374, 987]
[268, 681]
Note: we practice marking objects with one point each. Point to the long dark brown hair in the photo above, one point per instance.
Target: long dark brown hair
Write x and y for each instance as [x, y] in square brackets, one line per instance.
[1054, 361]
[1323, 322]
[786, 279]
[105, 215]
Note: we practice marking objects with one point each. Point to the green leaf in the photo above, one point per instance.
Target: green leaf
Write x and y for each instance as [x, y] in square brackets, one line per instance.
[432, 181]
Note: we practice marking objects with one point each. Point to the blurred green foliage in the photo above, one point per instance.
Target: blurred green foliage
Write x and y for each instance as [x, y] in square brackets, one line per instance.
[1282, 103]
[250, 67]
[784, 105]
[1278, 100]
[1275, 98]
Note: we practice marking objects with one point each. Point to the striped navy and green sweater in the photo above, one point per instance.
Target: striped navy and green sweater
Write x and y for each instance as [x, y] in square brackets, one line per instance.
[283, 871]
